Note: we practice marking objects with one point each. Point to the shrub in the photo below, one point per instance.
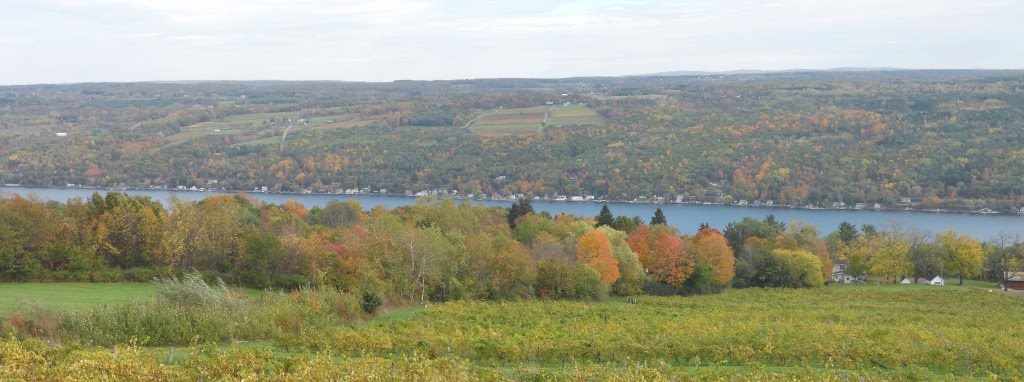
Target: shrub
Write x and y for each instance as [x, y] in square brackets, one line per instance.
[789, 268]
[588, 283]
[140, 275]
[370, 302]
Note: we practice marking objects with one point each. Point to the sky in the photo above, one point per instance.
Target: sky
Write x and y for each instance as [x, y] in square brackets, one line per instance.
[66, 41]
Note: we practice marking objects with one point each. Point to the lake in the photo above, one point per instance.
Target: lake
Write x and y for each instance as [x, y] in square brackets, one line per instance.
[686, 217]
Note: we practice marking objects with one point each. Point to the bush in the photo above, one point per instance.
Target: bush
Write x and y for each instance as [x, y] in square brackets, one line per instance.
[789, 268]
[292, 281]
[140, 275]
[588, 284]
[370, 302]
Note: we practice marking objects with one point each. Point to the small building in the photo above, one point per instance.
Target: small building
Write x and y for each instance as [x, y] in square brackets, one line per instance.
[61, 134]
[839, 274]
[1015, 280]
[907, 280]
[938, 280]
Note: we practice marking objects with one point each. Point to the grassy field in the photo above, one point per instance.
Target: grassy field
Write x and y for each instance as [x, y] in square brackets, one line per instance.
[251, 129]
[233, 125]
[74, 296]
[574, 115]
[855, 332]
[71, 295]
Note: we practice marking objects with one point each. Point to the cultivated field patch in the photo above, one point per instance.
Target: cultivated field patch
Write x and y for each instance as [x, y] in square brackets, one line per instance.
[533, 120]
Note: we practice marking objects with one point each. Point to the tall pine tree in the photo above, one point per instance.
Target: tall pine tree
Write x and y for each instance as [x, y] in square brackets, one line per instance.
[659, 217]
[520, 208]
[605, 217]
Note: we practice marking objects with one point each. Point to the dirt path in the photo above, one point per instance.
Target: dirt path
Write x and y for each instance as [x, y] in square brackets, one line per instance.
[283, 136]
[470, 123]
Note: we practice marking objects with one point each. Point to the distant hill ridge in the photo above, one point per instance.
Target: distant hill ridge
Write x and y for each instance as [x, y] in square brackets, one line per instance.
[763, 71]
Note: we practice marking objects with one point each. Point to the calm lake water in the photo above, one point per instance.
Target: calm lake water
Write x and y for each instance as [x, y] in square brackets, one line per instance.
[686, 217]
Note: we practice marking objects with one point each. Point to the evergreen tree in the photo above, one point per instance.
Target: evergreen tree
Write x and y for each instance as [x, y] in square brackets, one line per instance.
[779, 226]
[869, 229]
[847, 232]
[638, 221]
[658, 218]
[605, 217]
[519, 208]
[625, 223]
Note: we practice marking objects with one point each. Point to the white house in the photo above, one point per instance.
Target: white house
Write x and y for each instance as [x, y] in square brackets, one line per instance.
[839, 273]
[937, 281]
[907, 280]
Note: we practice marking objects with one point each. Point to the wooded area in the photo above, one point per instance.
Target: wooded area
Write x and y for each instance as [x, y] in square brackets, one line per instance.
[942, 139]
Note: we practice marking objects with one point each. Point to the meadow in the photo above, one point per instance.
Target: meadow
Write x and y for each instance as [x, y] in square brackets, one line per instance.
[887, 332]
[70, 296]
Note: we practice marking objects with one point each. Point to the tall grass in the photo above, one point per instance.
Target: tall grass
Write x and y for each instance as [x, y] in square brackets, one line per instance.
[188, 310]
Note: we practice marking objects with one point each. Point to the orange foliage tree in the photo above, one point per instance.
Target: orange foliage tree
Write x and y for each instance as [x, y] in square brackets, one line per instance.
[595, 250]
[671, 264]
[711, 248]
[638, 242]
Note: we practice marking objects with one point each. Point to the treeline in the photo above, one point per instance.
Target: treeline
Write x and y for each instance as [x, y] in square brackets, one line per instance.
[434, 250]
[437, 250]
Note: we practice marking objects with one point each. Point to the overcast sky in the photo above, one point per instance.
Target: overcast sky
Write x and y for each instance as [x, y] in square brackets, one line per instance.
[59, 41]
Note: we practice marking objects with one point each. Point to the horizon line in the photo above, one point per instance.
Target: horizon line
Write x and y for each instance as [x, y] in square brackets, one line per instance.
[667, 73]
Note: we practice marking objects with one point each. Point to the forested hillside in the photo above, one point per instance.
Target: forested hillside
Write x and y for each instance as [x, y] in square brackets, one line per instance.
[944, 139]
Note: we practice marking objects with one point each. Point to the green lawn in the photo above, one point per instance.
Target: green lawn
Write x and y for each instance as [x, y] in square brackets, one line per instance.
[71, 295]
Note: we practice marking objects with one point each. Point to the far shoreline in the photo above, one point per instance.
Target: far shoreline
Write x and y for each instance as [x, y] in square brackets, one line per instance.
[983, 211]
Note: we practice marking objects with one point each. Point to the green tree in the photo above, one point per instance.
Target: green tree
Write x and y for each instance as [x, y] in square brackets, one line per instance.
[847, 232]
[892, 257]
[658, 218]
[605, 218]
[519, 208]
[961, 254]
[625, 224]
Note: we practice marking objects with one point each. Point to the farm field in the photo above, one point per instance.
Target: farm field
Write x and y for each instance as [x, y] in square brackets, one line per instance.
[575, 114]
[886, 332]
[510, 122]
[253, 129]
[532, 120]
[232, 125]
